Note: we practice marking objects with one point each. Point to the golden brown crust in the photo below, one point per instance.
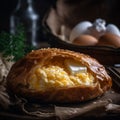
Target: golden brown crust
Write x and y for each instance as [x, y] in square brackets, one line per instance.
[18, 75]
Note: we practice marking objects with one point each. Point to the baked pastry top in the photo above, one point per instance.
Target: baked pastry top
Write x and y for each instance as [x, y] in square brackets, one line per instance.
[57, 75]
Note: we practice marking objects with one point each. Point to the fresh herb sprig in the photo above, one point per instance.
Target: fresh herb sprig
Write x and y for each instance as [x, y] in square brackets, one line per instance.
[14, 45]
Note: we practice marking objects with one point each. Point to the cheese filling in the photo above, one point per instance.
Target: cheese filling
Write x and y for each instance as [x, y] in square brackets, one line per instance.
[54, 76]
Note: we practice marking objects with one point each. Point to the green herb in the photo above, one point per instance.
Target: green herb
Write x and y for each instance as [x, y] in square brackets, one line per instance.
[14, 45]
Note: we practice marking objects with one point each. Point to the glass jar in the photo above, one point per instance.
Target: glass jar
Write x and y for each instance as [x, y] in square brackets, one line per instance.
[26, 15]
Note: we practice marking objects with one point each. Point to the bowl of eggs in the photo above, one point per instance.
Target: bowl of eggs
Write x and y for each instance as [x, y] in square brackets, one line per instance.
[95, 34]
[95, 37]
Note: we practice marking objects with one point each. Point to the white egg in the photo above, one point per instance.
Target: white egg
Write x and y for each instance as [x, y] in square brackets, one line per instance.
[111, 28]
[80, 28]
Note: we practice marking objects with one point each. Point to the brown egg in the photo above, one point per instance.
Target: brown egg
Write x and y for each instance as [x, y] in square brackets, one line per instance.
[85, 40]
[109, 39]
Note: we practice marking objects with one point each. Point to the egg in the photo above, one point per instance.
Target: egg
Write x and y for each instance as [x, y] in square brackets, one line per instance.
[85, 40]
[80, 28]
[109, 39]
[111, 28]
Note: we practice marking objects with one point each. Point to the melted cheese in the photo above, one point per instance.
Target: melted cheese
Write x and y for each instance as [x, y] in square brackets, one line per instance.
[55, 76]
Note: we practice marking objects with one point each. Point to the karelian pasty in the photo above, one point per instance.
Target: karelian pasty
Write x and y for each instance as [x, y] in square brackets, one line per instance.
[57, 75]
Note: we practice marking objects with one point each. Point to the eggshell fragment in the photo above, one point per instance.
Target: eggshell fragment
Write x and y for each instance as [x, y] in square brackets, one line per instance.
[85, 40]
[109, 39]
[80, 28]
[98, 28]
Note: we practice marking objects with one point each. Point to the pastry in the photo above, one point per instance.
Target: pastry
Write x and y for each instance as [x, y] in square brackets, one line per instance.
[58, 76]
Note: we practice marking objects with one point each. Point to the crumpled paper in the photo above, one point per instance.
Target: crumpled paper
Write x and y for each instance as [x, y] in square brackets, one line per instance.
[103, 106]
[5, 66]
[4, 97]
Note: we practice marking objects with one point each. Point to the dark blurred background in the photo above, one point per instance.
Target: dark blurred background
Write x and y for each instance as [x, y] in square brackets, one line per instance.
[7, 6]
